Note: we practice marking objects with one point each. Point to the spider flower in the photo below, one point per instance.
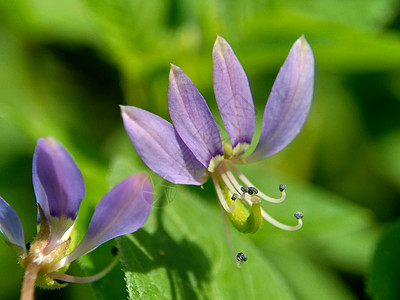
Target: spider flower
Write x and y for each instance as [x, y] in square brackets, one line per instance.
[59, 190]
[191, 150]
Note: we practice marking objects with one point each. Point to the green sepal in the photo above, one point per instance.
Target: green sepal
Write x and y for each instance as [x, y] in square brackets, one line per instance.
[243, 220]
[47, 283]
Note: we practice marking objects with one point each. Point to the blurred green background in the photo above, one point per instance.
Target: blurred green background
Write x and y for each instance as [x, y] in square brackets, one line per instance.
[67, 65]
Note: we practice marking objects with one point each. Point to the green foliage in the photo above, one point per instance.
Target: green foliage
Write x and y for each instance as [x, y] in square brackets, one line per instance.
[384, 275]
[66, 65]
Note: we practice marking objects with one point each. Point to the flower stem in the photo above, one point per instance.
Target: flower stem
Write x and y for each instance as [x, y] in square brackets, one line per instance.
[28, 285]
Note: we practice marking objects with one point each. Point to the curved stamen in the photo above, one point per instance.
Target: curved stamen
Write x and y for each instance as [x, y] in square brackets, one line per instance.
[271, 220]
[223, 169]
[232, 183]
[238, 262]
[280, 225]
[247, 182]
[76, 279]
[220, 195]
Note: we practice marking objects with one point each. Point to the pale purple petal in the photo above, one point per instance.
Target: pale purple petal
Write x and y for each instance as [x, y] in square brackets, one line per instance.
[193, 120]
[288, 103]
[233, 95]
[57, 181]
[122, 210]
[160, 147]
[11, 226]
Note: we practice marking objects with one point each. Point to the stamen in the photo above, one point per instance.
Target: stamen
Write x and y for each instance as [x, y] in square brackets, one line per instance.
[241, 258]
[234, 196]
[247, 182]
[244, 189]
[220, 195]
[230, 177]
[227, 181]
[278, 224]
[238, 262]
[282, 187]
[75, 279]
[298, 215]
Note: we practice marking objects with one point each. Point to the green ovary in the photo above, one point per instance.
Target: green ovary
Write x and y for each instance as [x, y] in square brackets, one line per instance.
[243, 220]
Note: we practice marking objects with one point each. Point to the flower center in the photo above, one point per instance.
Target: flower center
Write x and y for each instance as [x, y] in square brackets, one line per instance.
[236, 194]
[232, 185]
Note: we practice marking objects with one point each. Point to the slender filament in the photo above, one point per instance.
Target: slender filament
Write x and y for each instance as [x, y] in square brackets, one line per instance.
[76, 279]
[247, 182]
[229, 238]
[278, 224]
[220, 195]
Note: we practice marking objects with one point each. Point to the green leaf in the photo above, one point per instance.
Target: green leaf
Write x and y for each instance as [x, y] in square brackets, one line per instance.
[176, 255]
[336, 235]
[357, 13]
[389, 148]
[384, 275]
[182, 253]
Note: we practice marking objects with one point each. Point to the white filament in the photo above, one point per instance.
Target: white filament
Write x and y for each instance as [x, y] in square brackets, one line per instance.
[75, 279]
[247, 182]
[229, 238]
[220, 195]
[276, 223]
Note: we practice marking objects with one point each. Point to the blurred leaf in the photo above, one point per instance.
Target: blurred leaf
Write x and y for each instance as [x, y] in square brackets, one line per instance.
[42, 20]
[336, 235]
[389, 149]
[337, 48]
[308, 278]
[359, 13]
[384, 274]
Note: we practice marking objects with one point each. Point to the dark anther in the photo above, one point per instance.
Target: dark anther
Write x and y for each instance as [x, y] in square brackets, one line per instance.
[253, 190]
[28, 246]
[234, 196]
[114, 250]
[282, 187]
[241, 256]
[244, 189]
[298, 215]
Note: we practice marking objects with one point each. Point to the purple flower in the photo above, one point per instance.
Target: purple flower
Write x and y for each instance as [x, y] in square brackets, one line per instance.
[191, 150]
[59, 190]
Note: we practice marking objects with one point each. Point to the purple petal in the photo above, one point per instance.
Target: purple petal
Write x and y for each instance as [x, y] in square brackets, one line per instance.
[288, 103]
[10, 225]
[160, 147]
[233, 95]
[57, 181]
[122, 210]
[193, 120]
